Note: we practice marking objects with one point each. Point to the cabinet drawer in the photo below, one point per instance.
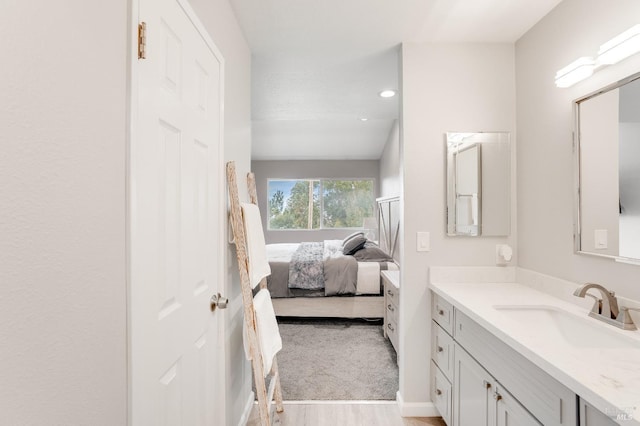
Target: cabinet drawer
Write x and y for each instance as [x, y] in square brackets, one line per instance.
[392, 311]
[548, 400]
[441, 393]
[442, 350]
[442, 312]
[392, 332]
[392, 293]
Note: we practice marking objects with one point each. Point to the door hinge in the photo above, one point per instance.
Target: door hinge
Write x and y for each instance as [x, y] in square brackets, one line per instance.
[142, 40]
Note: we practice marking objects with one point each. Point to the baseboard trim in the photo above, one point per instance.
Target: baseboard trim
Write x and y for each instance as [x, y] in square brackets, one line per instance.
[416, 409]
[248, 406]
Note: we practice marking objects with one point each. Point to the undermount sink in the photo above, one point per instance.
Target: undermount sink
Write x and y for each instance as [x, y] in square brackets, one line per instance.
[566, 328]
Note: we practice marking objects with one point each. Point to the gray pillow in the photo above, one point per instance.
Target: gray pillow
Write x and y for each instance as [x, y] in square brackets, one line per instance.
[354, 244]
[355, 234]
[372, 253]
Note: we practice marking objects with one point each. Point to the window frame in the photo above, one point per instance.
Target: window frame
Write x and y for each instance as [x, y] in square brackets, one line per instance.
[321, 202]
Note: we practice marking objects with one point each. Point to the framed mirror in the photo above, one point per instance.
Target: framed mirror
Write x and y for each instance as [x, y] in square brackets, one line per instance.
[478, 184]
[608, 171]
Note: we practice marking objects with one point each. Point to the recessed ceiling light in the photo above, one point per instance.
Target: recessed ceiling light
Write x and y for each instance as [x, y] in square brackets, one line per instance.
[364, 119]
[388, 93]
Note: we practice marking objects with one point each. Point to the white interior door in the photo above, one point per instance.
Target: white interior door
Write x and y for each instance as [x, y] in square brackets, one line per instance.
[176, 229]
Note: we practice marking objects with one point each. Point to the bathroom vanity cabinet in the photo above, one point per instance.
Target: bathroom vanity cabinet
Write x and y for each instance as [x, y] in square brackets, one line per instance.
[479, 380]
[478, 395]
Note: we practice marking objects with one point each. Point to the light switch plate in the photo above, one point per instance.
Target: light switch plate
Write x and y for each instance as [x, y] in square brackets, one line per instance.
[600, 239]
[423, 242]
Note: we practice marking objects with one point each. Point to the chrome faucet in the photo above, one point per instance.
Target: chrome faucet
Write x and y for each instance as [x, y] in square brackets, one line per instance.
[607, 306]
[606, 309]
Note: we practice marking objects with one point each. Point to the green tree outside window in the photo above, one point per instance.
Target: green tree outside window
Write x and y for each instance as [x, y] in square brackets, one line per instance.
[319, 203]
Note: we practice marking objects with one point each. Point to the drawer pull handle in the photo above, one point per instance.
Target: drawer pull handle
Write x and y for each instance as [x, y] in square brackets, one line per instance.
[440, 312]
[440, 349]
[389, 307]
[390, 293]
[487, 385]
[438, 392]
[390, 327]
[497, 396]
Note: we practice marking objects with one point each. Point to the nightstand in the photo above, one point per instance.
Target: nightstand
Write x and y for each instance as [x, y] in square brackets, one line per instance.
[391, 281]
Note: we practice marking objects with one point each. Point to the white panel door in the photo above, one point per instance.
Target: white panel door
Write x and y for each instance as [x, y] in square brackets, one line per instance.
[176, 232]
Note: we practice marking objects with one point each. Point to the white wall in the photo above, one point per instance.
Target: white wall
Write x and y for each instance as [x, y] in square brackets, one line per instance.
[221, 23]
[62, 185]
[630, 189]
[496, 186]
[390, 168]
[599, 195]
[445, 88]
[545, 123]
[630, 170]
[62, 189]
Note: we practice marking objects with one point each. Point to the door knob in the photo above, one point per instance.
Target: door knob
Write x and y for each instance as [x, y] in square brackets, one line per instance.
[217, 301]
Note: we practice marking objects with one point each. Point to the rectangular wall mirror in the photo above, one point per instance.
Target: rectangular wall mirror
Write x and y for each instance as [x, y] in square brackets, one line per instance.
[478, 184]
[608, 171]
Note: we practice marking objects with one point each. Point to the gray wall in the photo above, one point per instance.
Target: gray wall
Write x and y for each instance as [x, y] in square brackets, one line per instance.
[545, 124]
[265, 170]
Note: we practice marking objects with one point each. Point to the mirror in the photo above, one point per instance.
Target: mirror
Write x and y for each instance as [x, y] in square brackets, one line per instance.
[478, 184]
[608, 171]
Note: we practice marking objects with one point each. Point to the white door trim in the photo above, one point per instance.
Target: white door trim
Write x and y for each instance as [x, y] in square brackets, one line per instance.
[131, 132]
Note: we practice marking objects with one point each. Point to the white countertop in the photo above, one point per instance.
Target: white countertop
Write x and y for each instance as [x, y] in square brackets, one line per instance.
[607, 378]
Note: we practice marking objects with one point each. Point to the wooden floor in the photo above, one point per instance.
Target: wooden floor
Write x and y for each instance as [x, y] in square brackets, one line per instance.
[344, 414]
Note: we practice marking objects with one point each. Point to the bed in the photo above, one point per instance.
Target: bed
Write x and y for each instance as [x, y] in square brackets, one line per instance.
[330, 278]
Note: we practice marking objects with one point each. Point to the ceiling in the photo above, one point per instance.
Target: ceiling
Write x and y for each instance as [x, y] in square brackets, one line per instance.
[318, 65]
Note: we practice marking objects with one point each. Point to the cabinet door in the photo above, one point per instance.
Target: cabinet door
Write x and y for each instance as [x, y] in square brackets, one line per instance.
[589, 416]
[472, 391]
[509, 412]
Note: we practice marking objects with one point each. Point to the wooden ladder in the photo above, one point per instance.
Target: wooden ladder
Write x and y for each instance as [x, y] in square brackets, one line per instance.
[265, 395]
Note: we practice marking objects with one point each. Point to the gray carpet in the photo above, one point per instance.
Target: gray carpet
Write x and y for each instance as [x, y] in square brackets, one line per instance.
[336, 359]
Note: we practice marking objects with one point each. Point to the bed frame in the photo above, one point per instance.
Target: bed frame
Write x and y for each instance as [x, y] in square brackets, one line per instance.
[356, 306]
[330, 307]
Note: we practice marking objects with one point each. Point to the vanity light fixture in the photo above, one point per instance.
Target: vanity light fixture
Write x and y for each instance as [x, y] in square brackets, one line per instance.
[620, 47]
[387, 93]
[576, 71]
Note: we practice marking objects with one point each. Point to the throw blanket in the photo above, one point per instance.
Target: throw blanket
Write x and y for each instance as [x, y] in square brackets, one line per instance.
[306, 270]
[317, 266]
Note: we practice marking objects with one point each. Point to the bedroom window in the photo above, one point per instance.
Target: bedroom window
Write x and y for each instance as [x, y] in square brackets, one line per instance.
[319, 203]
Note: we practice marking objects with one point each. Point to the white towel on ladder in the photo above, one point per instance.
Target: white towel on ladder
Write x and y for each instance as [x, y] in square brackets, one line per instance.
[269, 340]
[256, 247]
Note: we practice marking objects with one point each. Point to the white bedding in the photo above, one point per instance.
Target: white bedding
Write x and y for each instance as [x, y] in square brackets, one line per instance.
[281, 252]
[368, 281]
